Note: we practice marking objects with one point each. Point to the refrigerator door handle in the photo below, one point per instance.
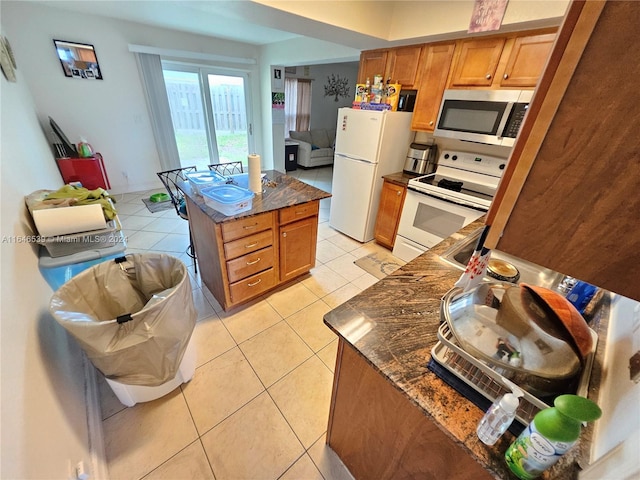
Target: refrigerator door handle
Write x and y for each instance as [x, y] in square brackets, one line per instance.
[355, 159]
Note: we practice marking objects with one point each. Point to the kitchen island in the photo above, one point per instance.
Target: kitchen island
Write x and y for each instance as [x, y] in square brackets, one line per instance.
[392, 417]
[248, 254]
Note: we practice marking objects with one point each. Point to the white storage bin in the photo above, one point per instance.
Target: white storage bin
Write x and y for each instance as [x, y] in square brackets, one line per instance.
[129, 395]
[201, 180]
[228, 199]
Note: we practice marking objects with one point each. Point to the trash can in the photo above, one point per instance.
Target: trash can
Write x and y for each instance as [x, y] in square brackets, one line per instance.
[58, 270]
[133, 317]
[290, 156]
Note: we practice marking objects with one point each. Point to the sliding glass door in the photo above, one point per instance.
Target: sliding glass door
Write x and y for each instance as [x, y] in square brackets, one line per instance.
[209, 111]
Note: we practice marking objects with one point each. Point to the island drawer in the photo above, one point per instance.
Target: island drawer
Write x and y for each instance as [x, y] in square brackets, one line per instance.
[246, 226]
[304, 210]
[253, 285]
[249, 264]
[249, 244]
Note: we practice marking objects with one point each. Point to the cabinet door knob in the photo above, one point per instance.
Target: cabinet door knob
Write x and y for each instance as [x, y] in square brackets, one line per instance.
[431, 123]
[488, 76]
[506, 75]
[398, 193]
[284, 234]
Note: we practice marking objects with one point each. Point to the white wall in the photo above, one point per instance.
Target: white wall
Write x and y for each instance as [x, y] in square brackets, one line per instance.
[111, 113]
[43, 415]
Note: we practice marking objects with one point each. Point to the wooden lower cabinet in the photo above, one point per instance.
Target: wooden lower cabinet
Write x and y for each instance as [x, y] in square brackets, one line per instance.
[244, 258]
[391, 202]
[379, 434]
[298, 247]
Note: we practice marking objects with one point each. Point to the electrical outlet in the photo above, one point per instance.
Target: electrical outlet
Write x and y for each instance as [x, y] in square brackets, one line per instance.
[81, 472]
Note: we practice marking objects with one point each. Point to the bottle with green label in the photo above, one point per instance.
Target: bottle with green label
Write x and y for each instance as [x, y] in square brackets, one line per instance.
[550, 435]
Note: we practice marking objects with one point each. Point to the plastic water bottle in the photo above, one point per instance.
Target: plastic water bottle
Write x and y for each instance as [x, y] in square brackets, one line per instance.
[499, 416]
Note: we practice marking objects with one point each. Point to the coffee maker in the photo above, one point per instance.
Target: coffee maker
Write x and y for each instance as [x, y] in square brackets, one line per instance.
[421, 159]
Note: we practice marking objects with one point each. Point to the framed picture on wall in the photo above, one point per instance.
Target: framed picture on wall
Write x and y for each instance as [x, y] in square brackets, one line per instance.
[78, 60]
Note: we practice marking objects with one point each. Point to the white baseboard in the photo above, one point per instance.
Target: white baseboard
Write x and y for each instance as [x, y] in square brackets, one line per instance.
[99, 470]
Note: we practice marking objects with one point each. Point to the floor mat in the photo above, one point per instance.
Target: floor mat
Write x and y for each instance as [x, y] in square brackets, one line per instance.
[155, 207]
[379, 264]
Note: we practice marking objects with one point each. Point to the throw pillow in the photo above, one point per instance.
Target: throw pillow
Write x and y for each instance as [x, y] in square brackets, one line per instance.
[320, 138]
[302, 136]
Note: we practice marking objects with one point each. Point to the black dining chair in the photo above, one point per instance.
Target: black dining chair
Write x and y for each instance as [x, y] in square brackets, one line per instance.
[169, 179]
[228, 168]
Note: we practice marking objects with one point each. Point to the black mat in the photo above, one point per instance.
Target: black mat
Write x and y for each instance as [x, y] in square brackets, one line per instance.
[469, 392]
[155, 207]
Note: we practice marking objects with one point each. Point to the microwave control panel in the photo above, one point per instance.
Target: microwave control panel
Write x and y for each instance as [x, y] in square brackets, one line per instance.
[515, 120]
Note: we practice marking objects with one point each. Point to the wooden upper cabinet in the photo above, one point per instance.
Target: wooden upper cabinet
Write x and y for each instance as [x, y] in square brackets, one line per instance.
[526, 60]
[477, 62]
[372, 63]
[403, 65]
[435, 63]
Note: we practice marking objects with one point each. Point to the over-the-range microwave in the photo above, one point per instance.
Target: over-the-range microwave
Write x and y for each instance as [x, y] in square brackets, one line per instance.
[484, 116]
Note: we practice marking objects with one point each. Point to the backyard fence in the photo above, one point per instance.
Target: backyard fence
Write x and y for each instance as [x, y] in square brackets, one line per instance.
[229, 110]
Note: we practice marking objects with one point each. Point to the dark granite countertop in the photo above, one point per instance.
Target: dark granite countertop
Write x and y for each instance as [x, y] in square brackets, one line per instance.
[399, 178]
[397, 321]
[281, 191]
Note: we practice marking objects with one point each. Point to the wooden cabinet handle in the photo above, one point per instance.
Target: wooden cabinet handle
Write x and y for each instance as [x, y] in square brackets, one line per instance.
[505, 76]
[254, 283]
[488, 77]
[398, 193]
[247, 227]
[251, 245]
[254, 262]
[284, 234]
[301, 212]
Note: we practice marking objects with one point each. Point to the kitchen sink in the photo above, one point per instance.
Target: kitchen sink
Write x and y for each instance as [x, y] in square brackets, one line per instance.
[460, 253]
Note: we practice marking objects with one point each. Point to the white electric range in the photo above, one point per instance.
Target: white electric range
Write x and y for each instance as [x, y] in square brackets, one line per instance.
[439, 204]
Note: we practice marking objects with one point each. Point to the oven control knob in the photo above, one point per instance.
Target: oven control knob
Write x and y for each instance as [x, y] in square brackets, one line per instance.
[502, 166]
[455, 157]
[446, 156]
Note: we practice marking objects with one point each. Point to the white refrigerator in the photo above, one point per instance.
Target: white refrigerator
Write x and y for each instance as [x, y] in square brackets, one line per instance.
[369, 144]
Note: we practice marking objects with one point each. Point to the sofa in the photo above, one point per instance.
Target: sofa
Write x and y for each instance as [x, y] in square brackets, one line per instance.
[315, 147]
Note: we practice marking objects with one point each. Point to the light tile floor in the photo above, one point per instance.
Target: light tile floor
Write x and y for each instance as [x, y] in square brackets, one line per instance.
[258, 404]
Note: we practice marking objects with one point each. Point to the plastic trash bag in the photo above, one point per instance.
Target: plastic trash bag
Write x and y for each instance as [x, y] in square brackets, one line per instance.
[133, 319]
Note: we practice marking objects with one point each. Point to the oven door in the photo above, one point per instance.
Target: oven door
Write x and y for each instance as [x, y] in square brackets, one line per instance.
[427, 220]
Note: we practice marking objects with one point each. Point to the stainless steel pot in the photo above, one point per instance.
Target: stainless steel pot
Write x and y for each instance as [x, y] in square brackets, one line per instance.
[421, 159]
[533, 354]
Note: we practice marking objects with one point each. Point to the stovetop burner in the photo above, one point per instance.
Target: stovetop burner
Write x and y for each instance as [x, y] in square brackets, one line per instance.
[450, 185]
[464, 178]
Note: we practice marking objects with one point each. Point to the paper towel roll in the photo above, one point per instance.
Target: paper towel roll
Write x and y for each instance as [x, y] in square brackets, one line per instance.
[65, 220]
[255, 180]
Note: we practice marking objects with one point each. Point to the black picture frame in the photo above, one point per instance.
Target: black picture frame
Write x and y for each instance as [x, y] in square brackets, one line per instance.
[78, 60]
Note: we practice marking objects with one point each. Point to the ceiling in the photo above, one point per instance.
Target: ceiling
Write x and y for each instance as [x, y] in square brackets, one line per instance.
[247, 21]
[356, 24]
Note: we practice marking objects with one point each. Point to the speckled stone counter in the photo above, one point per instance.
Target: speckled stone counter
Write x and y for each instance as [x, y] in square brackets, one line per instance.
[399, 178]
[402, 314]
[282, 191]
